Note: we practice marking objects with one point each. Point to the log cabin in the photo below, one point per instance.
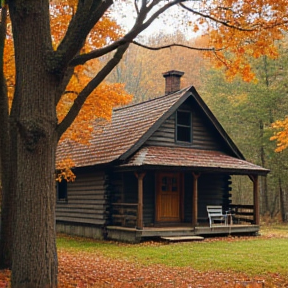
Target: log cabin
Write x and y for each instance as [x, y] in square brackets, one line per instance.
[152, 172]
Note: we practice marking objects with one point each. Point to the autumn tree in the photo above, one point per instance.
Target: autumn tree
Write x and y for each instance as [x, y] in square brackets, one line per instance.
[98, 105]
[31, 129]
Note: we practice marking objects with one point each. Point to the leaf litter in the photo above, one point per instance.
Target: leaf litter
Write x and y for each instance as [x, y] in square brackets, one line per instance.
[86, 269]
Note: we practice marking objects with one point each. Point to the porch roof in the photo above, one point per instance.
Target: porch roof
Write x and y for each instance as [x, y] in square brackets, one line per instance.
[200, 160]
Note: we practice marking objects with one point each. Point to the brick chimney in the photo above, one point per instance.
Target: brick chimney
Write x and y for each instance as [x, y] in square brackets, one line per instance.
[172, 81]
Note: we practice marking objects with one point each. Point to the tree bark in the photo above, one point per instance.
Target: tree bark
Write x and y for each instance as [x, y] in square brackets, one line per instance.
[282, 201]
[33, 123]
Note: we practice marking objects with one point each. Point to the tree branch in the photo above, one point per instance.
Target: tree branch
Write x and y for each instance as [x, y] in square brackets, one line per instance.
[83, 58]
[138, 27]
[216, 20]
[136, 7]
[174, 45]
[88, 13]
[78, 103]
[63, 84]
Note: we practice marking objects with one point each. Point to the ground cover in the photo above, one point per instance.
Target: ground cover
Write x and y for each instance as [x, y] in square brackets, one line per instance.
[215, 262]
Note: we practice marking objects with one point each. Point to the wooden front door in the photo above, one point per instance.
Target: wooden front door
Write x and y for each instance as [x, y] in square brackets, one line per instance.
[168, 197]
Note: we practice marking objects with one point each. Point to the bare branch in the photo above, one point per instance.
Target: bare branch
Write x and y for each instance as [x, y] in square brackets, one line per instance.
[174, 45]
[216, 20]
[78, 103]
[83, 58]
[138, 27]
[136, 7]
[159, 11]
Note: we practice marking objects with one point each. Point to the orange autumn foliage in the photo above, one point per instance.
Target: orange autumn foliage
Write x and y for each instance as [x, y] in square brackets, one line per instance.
[281, 134]
[243, 30]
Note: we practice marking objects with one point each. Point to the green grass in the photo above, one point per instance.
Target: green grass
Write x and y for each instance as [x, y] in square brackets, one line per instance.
[255, 255]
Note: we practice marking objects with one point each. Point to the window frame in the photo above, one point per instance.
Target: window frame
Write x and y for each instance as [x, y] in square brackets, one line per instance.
[177, 125]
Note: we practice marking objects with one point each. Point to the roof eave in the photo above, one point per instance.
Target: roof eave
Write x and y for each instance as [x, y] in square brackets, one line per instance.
[231, 171]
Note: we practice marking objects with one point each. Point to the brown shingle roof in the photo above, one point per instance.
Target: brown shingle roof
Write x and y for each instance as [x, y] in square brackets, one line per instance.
[128, 125]
[202, 160]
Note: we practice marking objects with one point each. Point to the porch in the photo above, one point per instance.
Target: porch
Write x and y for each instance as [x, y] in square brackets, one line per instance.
[127, 221]
[135, 235]
[155, 204]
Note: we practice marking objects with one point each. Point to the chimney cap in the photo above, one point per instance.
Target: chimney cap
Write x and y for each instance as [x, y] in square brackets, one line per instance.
[173, 73]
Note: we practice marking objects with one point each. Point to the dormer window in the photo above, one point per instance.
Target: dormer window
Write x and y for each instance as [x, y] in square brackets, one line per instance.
[184, 126]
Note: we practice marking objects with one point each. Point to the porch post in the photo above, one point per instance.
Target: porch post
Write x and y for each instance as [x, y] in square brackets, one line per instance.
[195, 199]
[140, 177]
[256, 216]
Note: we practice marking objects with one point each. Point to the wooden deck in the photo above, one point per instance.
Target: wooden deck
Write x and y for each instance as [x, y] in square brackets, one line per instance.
[128, 234]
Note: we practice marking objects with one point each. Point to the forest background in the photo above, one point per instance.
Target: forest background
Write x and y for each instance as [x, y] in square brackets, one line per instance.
[246, 109]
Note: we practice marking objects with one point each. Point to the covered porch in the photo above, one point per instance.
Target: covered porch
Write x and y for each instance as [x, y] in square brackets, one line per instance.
[173, 203]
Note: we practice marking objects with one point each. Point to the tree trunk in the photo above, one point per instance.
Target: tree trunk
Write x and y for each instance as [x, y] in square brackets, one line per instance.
[264, 186]
[282, 200]
[33, 116]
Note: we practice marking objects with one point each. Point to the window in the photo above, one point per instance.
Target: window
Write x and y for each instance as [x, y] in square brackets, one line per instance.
[62, 191]
[184, 126]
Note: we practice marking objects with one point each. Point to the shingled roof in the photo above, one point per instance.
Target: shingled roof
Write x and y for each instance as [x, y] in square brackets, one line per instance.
[124, 139]
[199, 160]
[124, 133]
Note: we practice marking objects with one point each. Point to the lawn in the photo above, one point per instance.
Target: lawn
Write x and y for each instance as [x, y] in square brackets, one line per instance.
[214, 262]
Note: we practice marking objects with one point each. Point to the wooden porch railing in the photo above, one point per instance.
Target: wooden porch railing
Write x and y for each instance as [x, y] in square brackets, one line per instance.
[124, 214]
[242, 213]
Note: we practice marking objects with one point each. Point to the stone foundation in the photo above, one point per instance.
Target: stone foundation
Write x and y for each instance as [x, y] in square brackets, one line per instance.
[80, 230]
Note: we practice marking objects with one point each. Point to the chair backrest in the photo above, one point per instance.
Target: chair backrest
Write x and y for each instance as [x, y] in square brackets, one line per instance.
[214, 210]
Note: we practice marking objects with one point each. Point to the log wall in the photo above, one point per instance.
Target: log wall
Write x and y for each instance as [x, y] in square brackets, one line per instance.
[213, 189]
[87, 200]
[124, 190]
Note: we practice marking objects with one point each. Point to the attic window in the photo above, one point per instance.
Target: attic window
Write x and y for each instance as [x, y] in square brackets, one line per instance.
[62, 191]
[184, 126]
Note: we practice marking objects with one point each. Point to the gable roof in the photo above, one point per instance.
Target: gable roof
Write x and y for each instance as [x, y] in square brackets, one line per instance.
[132, 125]
[129, 127]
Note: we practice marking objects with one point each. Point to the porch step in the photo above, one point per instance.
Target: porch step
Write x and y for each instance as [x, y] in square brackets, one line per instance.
[183, 238]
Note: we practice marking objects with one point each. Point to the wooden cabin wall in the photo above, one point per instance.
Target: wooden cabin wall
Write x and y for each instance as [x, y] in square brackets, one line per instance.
[204, 134]
[165, 135]
[117, 188]
[125, 190]
[86, 200]
[188, 191]
[213, 189]
[149, 199]
[130, 188]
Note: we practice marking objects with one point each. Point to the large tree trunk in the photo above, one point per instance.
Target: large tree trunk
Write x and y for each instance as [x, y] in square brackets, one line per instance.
[34, 259]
